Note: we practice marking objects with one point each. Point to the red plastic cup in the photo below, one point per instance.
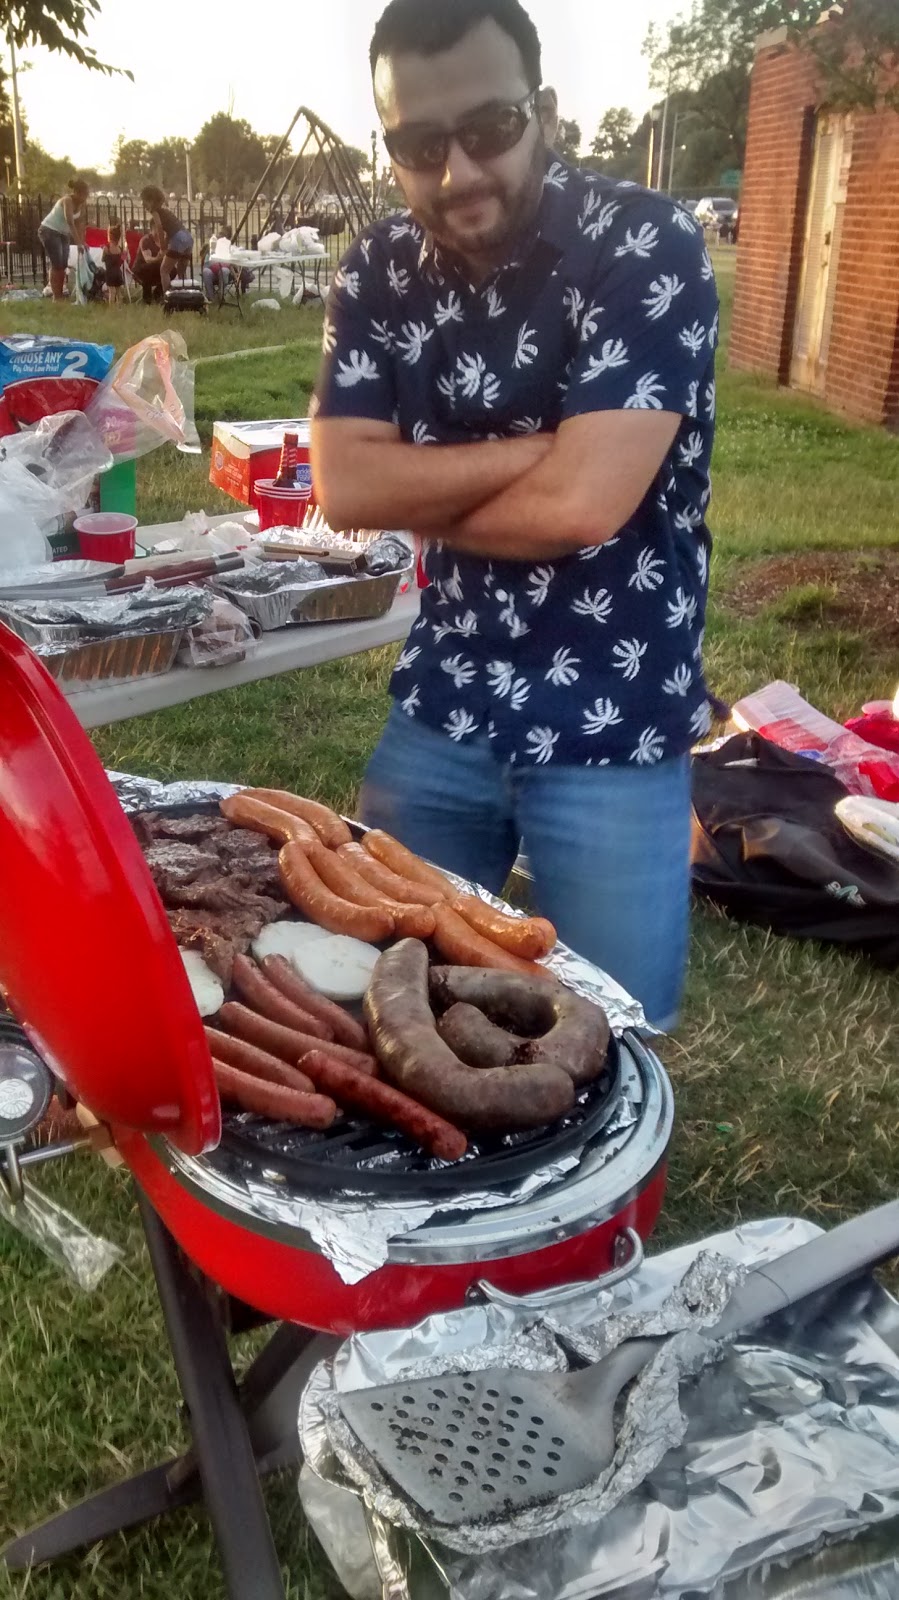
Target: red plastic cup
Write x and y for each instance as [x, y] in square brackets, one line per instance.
[281, 508]
[106, 536]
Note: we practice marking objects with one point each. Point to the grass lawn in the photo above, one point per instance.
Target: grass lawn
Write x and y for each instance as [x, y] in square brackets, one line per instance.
[787, 1097]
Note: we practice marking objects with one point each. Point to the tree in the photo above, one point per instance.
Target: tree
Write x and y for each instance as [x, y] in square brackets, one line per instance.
[130, 163]
[358, 160]
[858, 56]
[58, 25]
[228, 154]
[614, 135]
[568, 140]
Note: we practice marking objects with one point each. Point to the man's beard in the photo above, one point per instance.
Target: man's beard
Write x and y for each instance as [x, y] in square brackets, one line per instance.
[518, 210]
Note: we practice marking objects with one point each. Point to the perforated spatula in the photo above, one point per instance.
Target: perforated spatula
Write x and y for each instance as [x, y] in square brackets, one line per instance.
[490, 1444]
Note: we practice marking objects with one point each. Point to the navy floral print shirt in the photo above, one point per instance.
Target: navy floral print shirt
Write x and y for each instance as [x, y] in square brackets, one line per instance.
[595, 657]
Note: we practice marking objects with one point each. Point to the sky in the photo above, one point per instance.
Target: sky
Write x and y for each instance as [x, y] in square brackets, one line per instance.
[192, 60]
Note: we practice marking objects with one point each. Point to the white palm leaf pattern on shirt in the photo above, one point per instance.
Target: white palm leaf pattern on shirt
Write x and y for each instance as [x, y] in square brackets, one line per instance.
[421, 434]
[557, 176]
[398, 279]
[663, 292]
[449, 310]
[412, 702]
[500, 677]
[702, 563]
[350, 282]
[640, 244]
[459, 725]
[646, 395]
[526, 425]
[681, 609]
[527, 350]
[411, 344]
[598, 605]
[688, 520]
[520, 694]
[692, 406]
[693, 339]
[574, 303]
[361, 368]
[539, 581]
[605, 714]
[627, 657]
[680, 682]
[701, 721]
[684, 221]
[597, 215]
[365, 246]
[461, 671]
[590, 321]
[382, 334]
[329, 337]
[691, 450]
[541, 745]
[649, 573]
[613, 354]
[710, 401]
[408, 657]
[650, 748]
[496, 306]
[563, 673]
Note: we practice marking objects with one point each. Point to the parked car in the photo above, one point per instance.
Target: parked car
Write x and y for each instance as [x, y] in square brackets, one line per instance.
[721, 213]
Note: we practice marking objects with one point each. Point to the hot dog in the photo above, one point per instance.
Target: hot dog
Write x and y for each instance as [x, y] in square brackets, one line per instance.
[285, 1043]
[344, 1028]
[340, 875]
[261, 995]
[385, 1104]
[404, 890]
[459, 943]
[257, 1063]
[394, 855]
[330, 828]
[271, 1100]
[246, 812]
[304, 887]
[527, 937]
[562, 1029]
[414, 1057]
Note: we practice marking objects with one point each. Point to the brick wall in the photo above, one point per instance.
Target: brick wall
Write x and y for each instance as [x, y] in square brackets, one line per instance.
[863, 361]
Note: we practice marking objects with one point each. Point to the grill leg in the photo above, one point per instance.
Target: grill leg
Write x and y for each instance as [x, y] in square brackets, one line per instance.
[238, 1437]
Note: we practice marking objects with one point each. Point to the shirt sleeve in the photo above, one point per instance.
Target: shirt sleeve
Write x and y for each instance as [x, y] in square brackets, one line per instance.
[649, 329]
[356, 377]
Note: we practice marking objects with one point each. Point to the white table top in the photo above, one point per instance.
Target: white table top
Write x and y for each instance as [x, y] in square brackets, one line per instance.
[286, 650]
[269, 258]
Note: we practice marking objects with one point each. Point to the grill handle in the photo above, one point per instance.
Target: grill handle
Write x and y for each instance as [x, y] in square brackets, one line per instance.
[627, 1254]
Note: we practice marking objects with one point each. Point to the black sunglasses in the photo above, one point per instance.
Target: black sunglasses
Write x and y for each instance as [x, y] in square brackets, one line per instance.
[483, 136]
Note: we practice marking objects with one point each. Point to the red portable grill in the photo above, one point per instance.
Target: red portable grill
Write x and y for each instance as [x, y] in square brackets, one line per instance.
[111, 1012]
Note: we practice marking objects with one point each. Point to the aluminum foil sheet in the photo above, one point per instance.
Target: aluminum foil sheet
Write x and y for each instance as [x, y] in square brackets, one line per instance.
[790, 1444]
[145, 794]
[147, 610]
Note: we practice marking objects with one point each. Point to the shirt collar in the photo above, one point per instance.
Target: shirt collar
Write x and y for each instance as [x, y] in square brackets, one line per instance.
[551, 228]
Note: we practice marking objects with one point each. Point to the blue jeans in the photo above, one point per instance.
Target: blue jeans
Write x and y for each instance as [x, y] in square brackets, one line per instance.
[609, 847]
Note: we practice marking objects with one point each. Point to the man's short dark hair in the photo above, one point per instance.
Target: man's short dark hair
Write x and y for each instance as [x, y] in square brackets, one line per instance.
[425, 27]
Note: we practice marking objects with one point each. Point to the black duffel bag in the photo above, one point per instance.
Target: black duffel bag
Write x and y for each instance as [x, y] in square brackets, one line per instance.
[769, 849]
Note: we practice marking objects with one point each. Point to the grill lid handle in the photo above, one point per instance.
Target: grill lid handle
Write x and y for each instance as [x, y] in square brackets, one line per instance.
[627, 1253]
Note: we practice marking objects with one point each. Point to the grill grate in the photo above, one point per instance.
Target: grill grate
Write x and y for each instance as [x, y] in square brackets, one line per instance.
[356, 1155]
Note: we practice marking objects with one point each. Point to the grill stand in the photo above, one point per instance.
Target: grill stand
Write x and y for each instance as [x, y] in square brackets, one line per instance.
[240, 1433]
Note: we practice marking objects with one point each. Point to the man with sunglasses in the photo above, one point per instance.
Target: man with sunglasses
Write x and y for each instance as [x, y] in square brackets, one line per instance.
[521, 369]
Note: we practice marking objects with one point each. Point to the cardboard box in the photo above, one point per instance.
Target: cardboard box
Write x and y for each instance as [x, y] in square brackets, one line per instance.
[245, 451]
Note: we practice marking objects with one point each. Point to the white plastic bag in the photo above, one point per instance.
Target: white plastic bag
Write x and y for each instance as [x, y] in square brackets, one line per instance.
[265, 305]
[63, 454]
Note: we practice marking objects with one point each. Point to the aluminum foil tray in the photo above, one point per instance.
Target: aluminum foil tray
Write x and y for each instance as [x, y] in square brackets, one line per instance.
[109, 661]
[294, 599]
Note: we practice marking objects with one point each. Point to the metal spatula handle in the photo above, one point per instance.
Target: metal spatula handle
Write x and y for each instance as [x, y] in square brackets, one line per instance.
[833, 1258]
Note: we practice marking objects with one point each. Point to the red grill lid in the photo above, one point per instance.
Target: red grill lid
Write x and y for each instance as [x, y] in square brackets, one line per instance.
[87, 958]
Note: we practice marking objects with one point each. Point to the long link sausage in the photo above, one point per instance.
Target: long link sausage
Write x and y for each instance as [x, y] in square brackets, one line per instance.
[404, 890]
[261, 995]
[320, 904]
[344, 1028]
[527, 937]
[246, 812]
[339, 875]
[257, 1063]
[385, 1104]
[394, 855]
[271, 1100]
[285, 1043]
[462, 945]
[330, 828]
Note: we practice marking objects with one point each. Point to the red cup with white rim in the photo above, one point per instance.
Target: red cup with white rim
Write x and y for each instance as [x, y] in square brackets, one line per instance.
[106, 536]
[283, 507]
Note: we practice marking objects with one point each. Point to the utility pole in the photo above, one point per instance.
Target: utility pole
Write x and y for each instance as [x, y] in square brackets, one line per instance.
[661, 176]
[677, 118]
[650, 160]
[16, 117]
[190, 190]
[374, 168]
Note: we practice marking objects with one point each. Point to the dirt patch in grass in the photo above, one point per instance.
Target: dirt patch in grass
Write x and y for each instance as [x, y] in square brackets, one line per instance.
[855, 590]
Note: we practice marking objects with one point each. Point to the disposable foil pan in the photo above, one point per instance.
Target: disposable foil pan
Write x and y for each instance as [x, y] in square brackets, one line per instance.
[108, 661]
[328, 600]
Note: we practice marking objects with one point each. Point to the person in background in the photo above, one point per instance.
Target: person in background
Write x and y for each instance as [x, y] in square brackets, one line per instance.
[521, 369]
[212, 270]
[63, 225]
[179, 243]
[147, 266]
[114, 263]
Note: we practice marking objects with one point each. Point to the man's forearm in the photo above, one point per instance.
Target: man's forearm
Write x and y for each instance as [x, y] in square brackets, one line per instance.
[378, 484]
